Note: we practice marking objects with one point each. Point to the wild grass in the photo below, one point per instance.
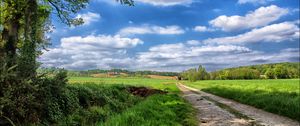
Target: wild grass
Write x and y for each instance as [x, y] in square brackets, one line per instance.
[277, 96]
[157, 110]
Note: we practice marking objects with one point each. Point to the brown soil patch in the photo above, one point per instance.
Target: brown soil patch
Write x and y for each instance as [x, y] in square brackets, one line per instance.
[100, 75]
[162, 77]
[144, 92]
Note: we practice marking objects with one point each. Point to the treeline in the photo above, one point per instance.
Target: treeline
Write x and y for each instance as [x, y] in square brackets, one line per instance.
[264, 71]
[98, 71]
[195, 74]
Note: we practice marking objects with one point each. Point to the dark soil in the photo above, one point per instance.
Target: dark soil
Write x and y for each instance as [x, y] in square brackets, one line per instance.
[144, 92]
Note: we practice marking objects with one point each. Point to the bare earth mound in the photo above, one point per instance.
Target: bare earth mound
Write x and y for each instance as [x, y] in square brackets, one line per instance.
[144, 92]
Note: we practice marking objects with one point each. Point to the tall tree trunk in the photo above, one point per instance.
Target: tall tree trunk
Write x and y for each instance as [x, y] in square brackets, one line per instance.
[27, 59]
[10, 35]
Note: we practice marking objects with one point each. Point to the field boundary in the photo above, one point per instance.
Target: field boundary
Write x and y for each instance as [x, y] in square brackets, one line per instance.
[260, 116]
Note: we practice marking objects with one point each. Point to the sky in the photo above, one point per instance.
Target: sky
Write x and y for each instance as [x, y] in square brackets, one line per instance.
[175, 35]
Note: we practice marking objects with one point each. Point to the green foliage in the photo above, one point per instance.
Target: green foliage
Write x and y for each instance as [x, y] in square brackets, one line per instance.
[166, 110]
[195, 74]
[243, 73]
[236, 73]
[269, 71]
[270, 74]
[276, 96]
[26, 97]
[281, 72]
[18, 101]
[97, 103]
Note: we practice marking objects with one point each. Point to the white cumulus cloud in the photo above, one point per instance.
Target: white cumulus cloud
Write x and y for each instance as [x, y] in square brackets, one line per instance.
[271, 33]
[99, 42]
[254, 1]
[90, 52]
[203, 29]
[152, 29]
[260, 17]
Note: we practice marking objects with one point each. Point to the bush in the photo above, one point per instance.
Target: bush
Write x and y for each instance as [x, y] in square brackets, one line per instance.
[97, 103]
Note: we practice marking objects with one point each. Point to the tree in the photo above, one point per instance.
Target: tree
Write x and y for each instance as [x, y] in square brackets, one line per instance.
[195, 74]
[24, 22]
[192, 75]
[270, 74]
[22, 37]
[202, 74]
[281, 72]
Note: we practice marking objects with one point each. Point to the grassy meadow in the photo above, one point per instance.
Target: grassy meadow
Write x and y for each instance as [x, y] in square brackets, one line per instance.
[163, 84]
[122, 108]
[276, 96]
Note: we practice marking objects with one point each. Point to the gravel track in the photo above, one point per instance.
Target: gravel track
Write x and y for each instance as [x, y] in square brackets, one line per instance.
[211, 111]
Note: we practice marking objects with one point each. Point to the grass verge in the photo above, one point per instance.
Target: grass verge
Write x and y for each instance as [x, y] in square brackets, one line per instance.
[163, 110]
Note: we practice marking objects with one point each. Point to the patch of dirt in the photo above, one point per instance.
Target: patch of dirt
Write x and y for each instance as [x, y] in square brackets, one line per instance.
[144, 92]
[211, 113]
[162, 77]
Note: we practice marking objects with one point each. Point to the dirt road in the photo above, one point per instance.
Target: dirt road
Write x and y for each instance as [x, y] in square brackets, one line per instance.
[217, 111]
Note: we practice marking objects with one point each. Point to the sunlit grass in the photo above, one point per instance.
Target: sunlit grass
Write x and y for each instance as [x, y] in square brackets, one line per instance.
[157, 110]
[169, 85]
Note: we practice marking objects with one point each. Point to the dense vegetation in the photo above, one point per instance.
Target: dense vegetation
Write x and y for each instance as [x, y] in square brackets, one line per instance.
[279, 96]
[195, 74]
[89, 104]
[160, 109]
[264, 71]
[25, 96]
[157, 110]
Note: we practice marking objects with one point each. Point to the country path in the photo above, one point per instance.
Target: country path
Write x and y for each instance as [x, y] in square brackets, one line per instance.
[217, 111]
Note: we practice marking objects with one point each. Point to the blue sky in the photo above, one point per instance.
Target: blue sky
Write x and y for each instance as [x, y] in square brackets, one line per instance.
[174, 35]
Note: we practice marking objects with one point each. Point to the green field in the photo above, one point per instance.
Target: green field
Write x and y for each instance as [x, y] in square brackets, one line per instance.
[276, 96]
[160, 109]
[168, 85]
